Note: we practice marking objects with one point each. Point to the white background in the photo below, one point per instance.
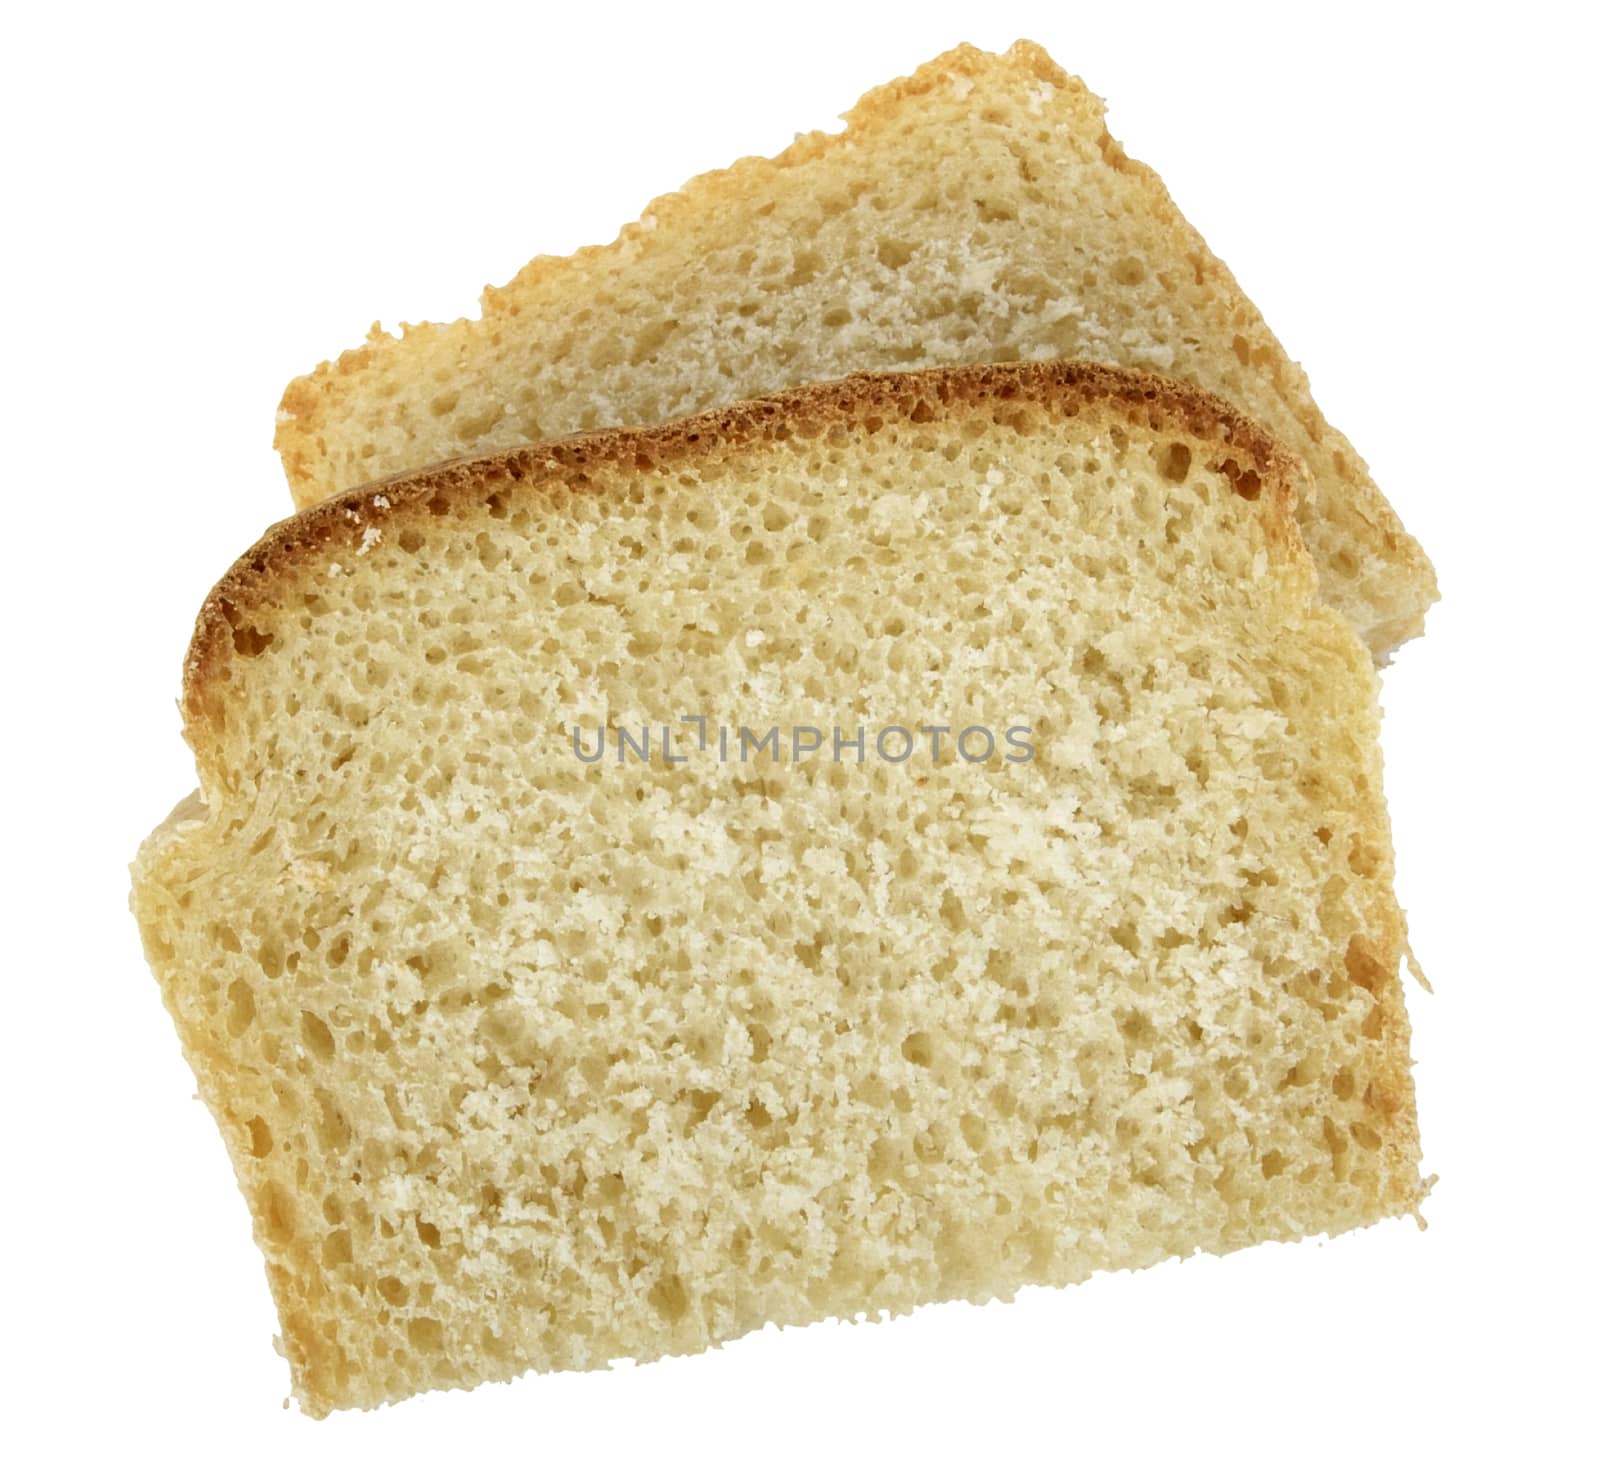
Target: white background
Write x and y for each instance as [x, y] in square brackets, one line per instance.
[202, 205]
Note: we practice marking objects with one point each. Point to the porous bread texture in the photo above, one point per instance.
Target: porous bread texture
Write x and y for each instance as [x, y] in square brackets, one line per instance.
[530, 1063]
[976, 211]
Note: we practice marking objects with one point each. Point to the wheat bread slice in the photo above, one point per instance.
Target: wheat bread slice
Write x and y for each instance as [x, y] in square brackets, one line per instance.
[532, 1061]
[976, 211]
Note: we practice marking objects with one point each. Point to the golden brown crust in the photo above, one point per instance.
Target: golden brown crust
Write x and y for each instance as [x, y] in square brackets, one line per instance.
[1064, 388]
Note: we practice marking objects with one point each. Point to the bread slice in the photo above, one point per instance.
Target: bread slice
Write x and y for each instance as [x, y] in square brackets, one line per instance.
[528, 1060]
[976, 211]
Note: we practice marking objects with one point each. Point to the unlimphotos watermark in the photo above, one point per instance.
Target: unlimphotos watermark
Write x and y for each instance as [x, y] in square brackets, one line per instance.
[895, 744]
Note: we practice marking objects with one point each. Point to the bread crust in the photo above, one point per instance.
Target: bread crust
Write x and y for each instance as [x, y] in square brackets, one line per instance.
[1069, 388]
